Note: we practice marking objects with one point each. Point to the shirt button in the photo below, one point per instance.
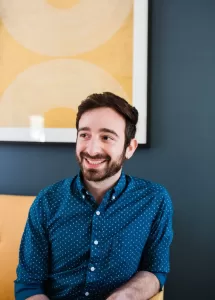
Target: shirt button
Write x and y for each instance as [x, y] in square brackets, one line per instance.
[114, 197]
[96, 242]
[87, 294]
[83, 196]
[98, 212]
[92, 269]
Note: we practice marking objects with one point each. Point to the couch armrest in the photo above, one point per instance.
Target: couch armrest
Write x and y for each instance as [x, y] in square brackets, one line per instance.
[159, 296]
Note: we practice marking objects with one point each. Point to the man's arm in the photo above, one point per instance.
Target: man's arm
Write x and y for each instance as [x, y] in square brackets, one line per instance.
[142, 286]
[154, 264]
[32, 270]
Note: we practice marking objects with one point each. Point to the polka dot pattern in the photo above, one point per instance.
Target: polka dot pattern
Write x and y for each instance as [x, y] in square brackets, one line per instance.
[73, 248]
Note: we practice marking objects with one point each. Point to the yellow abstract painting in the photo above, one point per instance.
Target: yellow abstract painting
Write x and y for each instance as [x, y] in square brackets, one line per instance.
[53, 54]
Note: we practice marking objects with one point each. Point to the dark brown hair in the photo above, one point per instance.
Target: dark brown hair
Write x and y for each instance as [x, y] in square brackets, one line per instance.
[120, 105]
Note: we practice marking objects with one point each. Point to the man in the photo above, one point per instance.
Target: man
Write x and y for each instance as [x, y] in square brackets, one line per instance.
[102, 234]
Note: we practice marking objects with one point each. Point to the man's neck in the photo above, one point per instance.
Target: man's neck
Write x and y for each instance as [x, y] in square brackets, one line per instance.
[98, 189]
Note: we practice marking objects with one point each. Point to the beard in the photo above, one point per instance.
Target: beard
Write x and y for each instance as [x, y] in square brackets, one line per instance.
[110, 168]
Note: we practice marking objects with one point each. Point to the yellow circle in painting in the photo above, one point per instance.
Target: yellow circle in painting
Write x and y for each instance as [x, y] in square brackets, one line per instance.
[60, 117]
[63, 4]
[50, 85]
[42, 28]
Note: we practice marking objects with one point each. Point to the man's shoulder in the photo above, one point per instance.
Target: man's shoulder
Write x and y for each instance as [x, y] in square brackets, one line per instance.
[54, 192]
[143, 183]
[58, 186]
[149, 188]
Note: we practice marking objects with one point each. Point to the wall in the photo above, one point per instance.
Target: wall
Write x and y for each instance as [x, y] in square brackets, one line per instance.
[182, 153]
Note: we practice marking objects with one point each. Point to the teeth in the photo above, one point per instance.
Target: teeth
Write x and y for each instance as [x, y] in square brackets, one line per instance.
[95, 162]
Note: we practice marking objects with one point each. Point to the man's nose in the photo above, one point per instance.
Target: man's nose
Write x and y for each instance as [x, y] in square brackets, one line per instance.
[93, 147]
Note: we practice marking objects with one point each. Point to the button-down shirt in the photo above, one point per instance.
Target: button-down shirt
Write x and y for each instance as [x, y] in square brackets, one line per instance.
[75, 248]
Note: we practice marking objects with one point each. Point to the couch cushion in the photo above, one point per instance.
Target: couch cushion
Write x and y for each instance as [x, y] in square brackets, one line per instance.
[13, 216]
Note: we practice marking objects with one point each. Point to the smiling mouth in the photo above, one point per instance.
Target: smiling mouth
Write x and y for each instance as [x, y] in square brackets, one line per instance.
[95, 161]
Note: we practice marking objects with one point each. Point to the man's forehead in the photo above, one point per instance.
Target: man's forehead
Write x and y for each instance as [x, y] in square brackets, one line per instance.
[102, 118]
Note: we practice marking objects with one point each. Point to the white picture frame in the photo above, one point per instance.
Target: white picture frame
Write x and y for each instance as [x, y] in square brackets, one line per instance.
[38, 133]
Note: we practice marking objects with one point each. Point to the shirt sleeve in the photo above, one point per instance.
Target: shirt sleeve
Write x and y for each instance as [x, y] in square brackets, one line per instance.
[32, 270]
[156, 254]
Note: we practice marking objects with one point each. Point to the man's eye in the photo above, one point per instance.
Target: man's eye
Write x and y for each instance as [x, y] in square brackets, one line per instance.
[106, 138]
[83, 135]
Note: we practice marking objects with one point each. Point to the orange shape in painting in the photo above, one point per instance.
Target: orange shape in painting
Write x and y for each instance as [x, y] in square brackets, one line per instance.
[61, 117]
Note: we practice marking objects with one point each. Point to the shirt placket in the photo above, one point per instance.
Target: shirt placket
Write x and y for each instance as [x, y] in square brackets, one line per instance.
[95, 248]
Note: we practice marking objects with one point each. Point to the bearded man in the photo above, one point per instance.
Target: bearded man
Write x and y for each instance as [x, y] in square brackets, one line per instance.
[101, 234]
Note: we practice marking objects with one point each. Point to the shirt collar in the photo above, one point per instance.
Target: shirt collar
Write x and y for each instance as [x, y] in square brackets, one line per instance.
[116, 190]
[119, 186]
[80, 184]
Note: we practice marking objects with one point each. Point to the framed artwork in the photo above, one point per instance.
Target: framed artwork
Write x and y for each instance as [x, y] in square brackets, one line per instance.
[54, 53]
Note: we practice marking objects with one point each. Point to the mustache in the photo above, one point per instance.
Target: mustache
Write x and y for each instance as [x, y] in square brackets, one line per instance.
[97, 156]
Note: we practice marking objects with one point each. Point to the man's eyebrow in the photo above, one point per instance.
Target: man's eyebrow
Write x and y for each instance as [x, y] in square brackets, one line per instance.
[108, 131]
[84, 129]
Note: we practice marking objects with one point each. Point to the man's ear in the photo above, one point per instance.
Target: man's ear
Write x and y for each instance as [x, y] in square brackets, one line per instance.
[131, 148]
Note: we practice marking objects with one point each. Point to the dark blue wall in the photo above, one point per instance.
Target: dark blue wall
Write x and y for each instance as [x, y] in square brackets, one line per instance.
[182, 153]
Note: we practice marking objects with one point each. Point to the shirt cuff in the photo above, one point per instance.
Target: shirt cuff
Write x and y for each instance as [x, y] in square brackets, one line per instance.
[23, 291]
[162, 279]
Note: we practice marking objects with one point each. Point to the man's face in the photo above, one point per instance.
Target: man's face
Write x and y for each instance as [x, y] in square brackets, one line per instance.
[100, 144]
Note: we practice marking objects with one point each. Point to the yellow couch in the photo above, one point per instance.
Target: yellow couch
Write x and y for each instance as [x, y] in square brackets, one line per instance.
[13, 215]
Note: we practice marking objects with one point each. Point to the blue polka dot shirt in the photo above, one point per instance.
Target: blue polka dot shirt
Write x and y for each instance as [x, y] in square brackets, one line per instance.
[73, 248]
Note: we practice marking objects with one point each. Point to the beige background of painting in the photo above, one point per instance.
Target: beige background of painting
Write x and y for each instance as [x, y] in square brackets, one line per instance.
[114, 57]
